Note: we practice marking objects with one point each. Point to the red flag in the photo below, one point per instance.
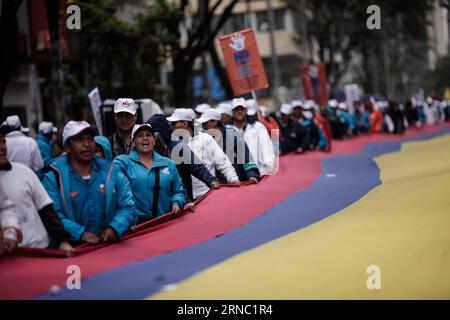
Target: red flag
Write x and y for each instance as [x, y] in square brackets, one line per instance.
[314, 78]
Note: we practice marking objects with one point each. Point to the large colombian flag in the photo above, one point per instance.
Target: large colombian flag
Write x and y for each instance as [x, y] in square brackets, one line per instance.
[321, 228]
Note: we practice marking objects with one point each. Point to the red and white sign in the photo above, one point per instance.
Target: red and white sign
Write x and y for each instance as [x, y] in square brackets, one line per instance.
[315, 86]
[243, 62]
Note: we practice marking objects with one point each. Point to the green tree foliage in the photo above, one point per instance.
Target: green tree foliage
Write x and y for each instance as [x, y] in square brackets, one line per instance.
[200, 28]
[122, 55]
[121, 47]
[393, 58]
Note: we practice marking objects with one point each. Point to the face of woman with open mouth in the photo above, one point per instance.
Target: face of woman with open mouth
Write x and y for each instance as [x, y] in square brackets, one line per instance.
[144, 141]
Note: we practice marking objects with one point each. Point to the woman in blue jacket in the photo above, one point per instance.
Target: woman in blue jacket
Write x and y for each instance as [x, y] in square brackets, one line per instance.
[154, 180]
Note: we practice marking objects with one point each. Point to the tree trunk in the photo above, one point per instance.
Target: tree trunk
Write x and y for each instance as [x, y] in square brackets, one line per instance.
[181, 75]
[57, 73]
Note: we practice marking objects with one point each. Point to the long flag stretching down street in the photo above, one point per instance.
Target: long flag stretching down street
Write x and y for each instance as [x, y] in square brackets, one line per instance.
[307, 191]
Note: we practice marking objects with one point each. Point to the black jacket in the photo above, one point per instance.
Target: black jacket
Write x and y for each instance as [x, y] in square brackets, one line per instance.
[118, 146]
[311, 134]
[292, 137]
[190, 164]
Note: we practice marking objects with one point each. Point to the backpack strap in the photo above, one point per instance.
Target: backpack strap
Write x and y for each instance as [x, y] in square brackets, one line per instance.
[156, 194]
[57, 176]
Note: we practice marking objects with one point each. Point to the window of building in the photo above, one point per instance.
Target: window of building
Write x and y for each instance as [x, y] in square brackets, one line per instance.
[262, 20]
[235, 23]
[238, 21]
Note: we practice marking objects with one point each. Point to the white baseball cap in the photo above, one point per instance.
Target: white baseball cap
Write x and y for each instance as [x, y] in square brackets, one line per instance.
[309, 104]
[139, 127]
[13, 122]
[74, 128]
[333, 103]
[297, 103]
[264, 111]
[252, 106]
[46, 127]
[342, 106]
[210, 114]
[382, 104]
[25, 129]
[238, 102]
[225, 108]
[125, 105]
[286, 109]
[307, 114]
[192, 113]
[202, 107]
[182, 114]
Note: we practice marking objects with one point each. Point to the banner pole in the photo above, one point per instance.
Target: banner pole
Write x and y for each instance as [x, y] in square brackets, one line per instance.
[254, 96]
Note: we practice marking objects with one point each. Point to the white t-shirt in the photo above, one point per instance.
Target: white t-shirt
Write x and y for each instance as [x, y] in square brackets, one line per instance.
[8, 215]
[23, 187]
[24, 150]
[261, 148]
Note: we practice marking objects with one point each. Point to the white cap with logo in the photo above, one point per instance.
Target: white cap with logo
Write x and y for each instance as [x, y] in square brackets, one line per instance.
[74, 128]
[125, 105]
[182, 114]
[210, 114]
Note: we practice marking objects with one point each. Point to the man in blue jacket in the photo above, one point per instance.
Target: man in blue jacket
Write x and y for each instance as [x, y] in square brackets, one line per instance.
[44, 140]
[92, 198]
[346, 119]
